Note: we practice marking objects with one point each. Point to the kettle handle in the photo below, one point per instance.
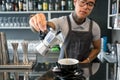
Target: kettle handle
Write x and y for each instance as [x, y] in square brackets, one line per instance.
[58, 65]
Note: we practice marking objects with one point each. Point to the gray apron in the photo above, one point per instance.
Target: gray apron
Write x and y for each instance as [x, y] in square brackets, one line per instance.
[78, 45]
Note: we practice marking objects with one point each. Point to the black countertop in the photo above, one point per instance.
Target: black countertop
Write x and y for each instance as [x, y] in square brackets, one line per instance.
[38, 72]
[51, 75]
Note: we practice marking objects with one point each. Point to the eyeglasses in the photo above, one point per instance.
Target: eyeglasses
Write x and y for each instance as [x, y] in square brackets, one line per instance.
[89, 4]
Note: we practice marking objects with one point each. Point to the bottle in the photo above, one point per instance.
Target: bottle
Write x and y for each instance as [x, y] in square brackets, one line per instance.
[70, 5]
[20, 4]
[11, 77]
[63, 3]
[16, 5]
[3, 5]
[30, 5]
[34, 5]
[24, 5]
[57, 5]
[39, 6]
[45, 5]
[8, 5]
[0, 5]
[13, 5]
[50, 6]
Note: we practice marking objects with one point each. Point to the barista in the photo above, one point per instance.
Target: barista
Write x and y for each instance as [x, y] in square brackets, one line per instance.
[79, 32]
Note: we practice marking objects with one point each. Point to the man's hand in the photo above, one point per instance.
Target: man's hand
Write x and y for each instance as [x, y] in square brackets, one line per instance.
[85, 61]
[38, 22]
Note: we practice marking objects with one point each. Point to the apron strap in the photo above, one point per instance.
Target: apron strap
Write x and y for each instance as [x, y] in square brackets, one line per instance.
[90, 68]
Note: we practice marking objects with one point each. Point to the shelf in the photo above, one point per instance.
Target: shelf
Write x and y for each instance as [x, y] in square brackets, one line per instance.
[113, 19]
[28, 12]
[112, 15]
[114, 28]
[14, 27]
[20, 66]
[15, 70]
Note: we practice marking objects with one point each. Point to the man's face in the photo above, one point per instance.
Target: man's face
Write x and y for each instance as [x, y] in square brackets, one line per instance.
[83, 7]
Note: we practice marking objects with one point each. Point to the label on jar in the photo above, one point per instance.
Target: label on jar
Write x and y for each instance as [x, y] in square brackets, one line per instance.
[62, 3]
[39, 7]
[45, 6]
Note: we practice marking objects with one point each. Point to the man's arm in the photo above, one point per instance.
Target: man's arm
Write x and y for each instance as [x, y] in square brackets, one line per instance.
[51, 24]
[94, 52]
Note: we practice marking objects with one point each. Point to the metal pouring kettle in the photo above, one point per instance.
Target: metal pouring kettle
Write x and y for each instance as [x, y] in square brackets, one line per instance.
[52, 37]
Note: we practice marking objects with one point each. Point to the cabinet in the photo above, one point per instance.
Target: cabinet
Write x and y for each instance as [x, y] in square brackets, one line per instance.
[114, 14]
[10, 20]
[19, 18]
